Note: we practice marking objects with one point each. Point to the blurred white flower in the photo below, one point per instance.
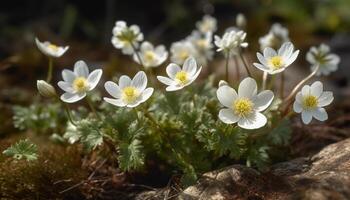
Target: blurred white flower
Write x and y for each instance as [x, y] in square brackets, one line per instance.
[244, 107]
[182, 50]
[310, 102]
[207, 24]
[241, 21]
[231, 42]
[45, 89]
[274, 62]
[203, 45]
[50, 49]
[321, 56]
[180, 78]
[150, 56]
[222, 83]
[127, 92]
[125, 37]
[275, 38]
[78, 82]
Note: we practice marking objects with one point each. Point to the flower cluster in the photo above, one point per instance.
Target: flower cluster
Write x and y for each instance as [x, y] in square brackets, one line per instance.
[202, 121]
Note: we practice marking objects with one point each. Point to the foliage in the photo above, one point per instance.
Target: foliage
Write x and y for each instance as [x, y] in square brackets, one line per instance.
[22, 149]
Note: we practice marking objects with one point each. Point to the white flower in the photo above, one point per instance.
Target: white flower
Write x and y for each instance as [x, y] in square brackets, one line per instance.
[50, 49]
[310, 102]
[182, 50]
[203, 45]
[275, 38]
[241, 21]
[207, 24]
[124, 37]
[127, 92]
[150, 56]
[231, 42]
[244, 107]
[321, 56]
[180, 78]
[78, 82]
[274, 62]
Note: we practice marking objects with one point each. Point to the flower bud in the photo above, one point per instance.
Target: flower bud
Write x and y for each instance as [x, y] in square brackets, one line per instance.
[45, 89]
[222, 83]
[241, 21]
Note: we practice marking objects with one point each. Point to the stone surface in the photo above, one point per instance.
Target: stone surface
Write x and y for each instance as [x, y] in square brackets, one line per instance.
[324, 176]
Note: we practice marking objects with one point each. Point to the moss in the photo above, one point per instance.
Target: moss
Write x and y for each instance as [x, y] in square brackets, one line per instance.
[57, 169]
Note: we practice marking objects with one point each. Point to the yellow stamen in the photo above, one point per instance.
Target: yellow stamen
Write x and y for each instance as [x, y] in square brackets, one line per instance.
[202, 43]
[183, 55]
[53, 47]
[80, 84]
[310, 102]
[182, 77]
[243, 107]
[276, 62]
[130, 94]
[149, 56]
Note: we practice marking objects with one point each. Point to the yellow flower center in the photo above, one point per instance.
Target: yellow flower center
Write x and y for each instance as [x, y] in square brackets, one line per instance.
[130, 94]
[53, 47]
[276, 62]
[182, 77]
[310, 102]
[80, 84]
[243, 107]
[149, 56]
[202, 43]
[183, 55]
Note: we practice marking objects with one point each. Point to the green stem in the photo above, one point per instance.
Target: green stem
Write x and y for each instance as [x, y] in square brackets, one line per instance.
[88, 99]
[238, 76]
[137, 54]
[69, 114]
[245, 64]
[226, 65]
[271, 83]
[49, 73]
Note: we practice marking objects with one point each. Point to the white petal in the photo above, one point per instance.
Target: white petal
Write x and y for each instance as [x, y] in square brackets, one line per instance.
[325, 99]
[71, 98]
[297, 107]
[226, 95]
[116, 102]
[68, 75]
[292, 58]
[299, 98]
[247, 88]
[146, 94]
[194, 77]
[286, 49]
[269, 52]
[227, 116]
[261, 67]
[94, 78]
[320, 114]
[261, 58]
[65, 86]
[316, 88]
[139, 81]
[146, 46]
[172, 69]
[113, 89]
[305, 91]
[124, 81]
[254, 121]
[306, 117]
[190, 66]
[166, 80]
[81, 69]
[263, 100]
[174, 88]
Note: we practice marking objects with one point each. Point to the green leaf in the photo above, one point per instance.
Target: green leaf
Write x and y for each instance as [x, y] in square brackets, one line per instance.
[22, 149]
[91, 137]
[281, 134]
[131, 155]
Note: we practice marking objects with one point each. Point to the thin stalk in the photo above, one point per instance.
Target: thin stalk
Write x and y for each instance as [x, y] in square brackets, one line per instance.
[264, 80]
[272, 81]
[137, 54]
[92, 108]
[238, 76]
[67, 109]
[282, 85]
[226, 65]
[49, 73]
[245, 64]
[287, 101]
